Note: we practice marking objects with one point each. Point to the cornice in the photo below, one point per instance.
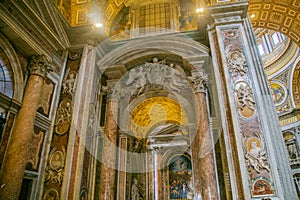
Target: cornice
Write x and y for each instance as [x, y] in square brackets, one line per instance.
[26, 29]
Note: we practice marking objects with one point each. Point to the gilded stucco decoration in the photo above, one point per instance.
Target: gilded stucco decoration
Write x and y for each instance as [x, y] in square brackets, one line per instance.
[56, 163]
[51, 194]
[63, 116]
[282, 16]
[296, 85]
[155, 111]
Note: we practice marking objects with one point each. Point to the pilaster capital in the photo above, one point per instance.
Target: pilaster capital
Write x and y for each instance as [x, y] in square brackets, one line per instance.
[199, 80]
[113, 90]
[39, 65]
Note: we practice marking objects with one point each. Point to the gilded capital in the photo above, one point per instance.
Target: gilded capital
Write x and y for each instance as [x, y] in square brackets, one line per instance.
[39, 65]
[199, 80]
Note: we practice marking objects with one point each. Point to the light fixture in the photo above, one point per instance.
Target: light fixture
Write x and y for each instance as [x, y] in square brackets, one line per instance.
[199, 10]
[252, 16]
[98, 25]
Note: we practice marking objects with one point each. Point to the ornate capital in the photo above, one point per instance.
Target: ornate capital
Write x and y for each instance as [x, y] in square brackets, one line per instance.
[199, 80]
[39, 65]
[113, 90]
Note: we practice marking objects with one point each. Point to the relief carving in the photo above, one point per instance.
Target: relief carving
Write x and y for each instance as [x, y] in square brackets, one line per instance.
[237, 63]
[63, 116]
[56, 163]
[69, 82]
[245, 99]
[255, 156]
[153, 76]
[51, 194]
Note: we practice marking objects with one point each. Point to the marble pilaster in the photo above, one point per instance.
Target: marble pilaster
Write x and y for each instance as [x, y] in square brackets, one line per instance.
[16, 155]
[109, 151]
[122, 168]
[202, 144]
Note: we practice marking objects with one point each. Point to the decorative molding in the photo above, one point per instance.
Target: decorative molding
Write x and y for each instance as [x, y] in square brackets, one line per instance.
[40, 65]
[199, 80]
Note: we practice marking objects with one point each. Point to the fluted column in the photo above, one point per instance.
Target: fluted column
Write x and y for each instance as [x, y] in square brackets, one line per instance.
[203, 141]
[16, 154]
[109, 157]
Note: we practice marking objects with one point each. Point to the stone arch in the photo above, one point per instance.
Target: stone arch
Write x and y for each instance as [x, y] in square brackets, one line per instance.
[16, 68]
[183, 49]
[282, 16]
[189, 50]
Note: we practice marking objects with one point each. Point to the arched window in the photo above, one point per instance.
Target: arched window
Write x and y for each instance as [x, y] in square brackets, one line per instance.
[6, 76]
[290, 142]
[296, 178]
[268, 41]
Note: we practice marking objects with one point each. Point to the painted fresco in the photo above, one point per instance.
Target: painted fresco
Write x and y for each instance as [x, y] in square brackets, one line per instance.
[180, 178]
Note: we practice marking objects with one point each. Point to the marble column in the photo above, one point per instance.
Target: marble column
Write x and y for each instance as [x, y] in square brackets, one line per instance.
[109, 150]
[16, 155]
[203, 141]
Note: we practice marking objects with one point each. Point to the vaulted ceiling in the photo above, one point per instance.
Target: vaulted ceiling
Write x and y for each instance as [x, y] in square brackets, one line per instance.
[279, 15]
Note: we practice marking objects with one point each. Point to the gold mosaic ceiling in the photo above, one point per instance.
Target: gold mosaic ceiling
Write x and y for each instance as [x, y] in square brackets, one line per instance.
[279, 15]
[154, 112]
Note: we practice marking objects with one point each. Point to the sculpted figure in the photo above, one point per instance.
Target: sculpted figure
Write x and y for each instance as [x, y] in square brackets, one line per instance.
[69, 83]
[237, 63]
[256, 157]
[245, 98]
[135, 194]
[137, 77]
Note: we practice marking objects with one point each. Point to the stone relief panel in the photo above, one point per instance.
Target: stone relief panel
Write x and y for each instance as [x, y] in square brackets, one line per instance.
[256, 157]
[63, 116]
[236, 61]
[51, 194]
[244, 98]
[155, 76]
[56, 161]
[253, 144]
[69, 82]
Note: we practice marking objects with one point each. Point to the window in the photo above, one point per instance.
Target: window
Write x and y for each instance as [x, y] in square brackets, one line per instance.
[6, 76]
[154, 18]
[261, 49]
[290, 142]
[276, 39]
